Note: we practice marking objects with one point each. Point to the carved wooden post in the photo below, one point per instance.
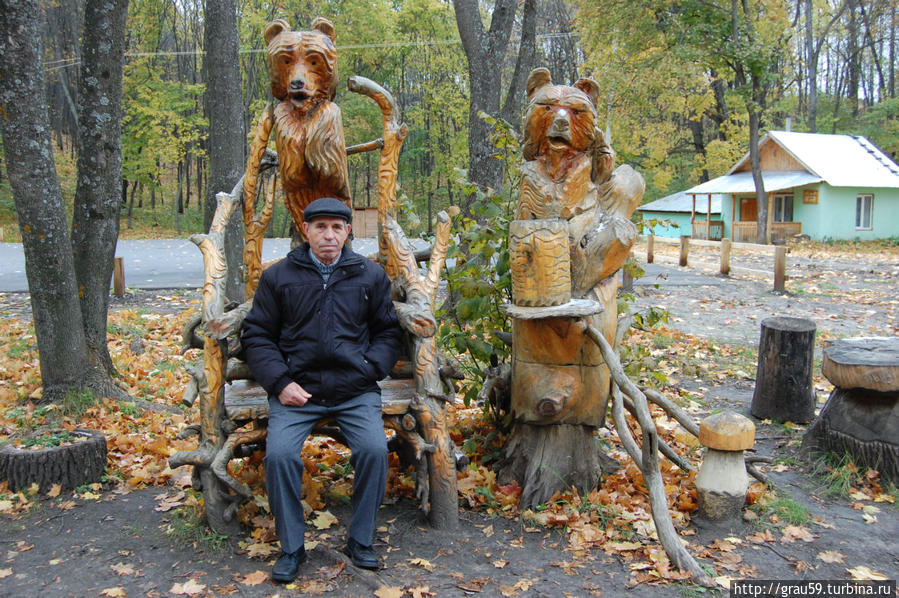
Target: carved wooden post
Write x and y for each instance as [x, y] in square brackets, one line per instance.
[118, 277]
[416, 296]
[780, 266]
[725, 256]
[650, 249]
[684, 250]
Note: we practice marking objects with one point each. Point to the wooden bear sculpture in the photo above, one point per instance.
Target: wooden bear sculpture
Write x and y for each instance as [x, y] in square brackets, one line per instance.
[307, 124]
[571, 236]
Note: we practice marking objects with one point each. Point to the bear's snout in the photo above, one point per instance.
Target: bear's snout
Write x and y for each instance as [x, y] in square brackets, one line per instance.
[560, 125]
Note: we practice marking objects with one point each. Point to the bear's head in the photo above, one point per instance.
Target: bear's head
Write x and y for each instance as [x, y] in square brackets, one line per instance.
[302, 65]
[560, 122]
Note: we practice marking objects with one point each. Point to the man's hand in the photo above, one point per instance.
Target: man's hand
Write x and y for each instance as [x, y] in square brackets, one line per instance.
[294, 395]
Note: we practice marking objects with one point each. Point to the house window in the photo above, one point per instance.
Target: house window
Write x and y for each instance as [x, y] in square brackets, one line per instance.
[783, 208]
[863, 206]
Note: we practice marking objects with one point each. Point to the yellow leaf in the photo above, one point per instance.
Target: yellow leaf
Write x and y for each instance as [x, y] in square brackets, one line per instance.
[5, 573]
[123, 569]
[791, 533]
[830, 556]
[55, 489]
[255, 578]
[5, 506]
[324, 520]
[389, 592]
[424, 564]
[89, 495]
[189, 588]
[116, 592]
[488, 531]
[500, 564]
[862, 572]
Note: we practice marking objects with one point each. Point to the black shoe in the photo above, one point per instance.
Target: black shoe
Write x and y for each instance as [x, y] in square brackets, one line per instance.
[287, 567]
[362, 556]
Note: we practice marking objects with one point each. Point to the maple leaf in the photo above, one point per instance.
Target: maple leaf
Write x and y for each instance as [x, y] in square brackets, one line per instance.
[55, 489]
[116, 592]
[500, 564]
[5, 573]
[389, 592]
[6, 506]
[830, 556]
[421, 592]
[324, 520]
[791, 533]
[862, 573]
[123, 569]
[255, 578]
[189, 588]
[424, 564]
[261, 550]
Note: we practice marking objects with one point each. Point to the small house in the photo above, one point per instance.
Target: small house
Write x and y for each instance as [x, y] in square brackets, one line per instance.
[680, 214]
[821, 186]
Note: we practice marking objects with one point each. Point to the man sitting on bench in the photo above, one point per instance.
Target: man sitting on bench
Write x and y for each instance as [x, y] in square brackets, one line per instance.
[321, 333]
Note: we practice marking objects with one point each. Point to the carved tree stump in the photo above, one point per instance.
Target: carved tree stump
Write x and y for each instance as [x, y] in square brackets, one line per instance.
[783, 385]
[861, 416]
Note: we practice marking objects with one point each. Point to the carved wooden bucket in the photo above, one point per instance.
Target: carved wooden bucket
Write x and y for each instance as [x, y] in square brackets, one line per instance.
[540, 262]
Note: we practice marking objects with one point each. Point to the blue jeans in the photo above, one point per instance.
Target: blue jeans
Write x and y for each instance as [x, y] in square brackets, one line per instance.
[288, 427]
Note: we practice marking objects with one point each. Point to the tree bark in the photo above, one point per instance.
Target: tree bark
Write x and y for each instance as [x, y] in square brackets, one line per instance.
[783, 385]
[227, 137]
[485, 51]
[95, 226]
[39, 207]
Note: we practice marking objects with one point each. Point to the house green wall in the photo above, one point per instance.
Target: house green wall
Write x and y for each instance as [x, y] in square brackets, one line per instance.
[680, 218]
[833, 217]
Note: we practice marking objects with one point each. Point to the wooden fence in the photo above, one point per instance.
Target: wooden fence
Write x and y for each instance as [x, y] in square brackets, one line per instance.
[726, 248]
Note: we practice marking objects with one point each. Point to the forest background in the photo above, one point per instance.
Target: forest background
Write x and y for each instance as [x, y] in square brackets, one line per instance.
[680, 84]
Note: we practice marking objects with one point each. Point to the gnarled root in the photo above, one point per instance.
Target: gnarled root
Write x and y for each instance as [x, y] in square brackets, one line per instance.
[647, 458]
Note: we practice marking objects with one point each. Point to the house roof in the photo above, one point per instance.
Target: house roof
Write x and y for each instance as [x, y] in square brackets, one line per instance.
[681, 202]
[741, 182]
[840, 160]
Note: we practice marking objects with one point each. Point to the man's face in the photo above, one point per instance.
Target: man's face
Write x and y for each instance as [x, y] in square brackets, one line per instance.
[326, 237]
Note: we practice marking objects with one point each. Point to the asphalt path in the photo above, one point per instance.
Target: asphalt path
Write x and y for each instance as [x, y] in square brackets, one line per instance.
[177, 263]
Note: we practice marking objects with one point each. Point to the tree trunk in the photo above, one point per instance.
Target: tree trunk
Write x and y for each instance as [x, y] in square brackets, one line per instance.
[783, 384]
[854, 58]
[812, 68]
[571, 458]
[95, 227]
[39, 207]
[227, 138]
[485, 50]
[755, 117]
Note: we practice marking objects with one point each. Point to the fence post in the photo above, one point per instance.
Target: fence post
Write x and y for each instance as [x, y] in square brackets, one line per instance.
[725, 256]
[780, 267]
[684, 249]
[627, 276]
[118, 277]
[650, 248]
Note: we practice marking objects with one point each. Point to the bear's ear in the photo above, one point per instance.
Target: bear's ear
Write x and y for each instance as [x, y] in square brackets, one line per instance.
[325, 26]
[274, 28]
[589, 87]
[537, 79]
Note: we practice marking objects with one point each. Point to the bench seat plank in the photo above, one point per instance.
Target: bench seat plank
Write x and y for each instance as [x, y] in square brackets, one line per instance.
[246, 400]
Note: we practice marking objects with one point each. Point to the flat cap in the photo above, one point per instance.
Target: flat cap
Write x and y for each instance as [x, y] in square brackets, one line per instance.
[327, 206]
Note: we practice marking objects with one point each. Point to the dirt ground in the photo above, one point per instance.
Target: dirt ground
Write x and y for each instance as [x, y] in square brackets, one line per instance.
[117, 544]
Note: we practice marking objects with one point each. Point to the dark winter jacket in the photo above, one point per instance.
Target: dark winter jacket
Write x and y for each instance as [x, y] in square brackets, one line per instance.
[336, 340]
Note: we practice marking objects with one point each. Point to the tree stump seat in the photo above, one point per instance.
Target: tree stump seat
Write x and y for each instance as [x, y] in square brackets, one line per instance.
[861, 416]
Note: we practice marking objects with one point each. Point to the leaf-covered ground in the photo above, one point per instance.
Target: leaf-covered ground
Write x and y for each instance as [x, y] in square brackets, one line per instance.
[138, 534]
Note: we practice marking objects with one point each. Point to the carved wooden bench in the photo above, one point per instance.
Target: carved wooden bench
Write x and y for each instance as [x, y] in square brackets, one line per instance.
[234, 409]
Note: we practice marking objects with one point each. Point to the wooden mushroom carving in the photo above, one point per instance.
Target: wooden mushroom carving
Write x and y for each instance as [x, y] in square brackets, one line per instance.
[722, 481]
